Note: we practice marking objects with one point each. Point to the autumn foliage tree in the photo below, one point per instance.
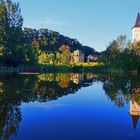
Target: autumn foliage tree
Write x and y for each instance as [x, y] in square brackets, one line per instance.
[65, 54]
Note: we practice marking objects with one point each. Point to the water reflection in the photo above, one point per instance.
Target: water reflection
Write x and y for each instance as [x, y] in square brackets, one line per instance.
[15, 90]
[122, 90]
[135, 106]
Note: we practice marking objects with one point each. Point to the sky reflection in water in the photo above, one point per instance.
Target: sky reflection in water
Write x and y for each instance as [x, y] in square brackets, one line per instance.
[69, 106]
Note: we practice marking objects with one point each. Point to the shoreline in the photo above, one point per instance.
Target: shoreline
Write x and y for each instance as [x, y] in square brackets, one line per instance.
[45, 68]
[35, 70]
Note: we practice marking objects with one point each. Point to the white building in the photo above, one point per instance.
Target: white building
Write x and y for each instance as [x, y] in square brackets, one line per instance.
[136, 30]
[78, 56]
[92, 58]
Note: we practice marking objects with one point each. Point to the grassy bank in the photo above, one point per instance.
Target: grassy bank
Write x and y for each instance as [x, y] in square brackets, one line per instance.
[46, 68]
[111, 69]
[40, 68]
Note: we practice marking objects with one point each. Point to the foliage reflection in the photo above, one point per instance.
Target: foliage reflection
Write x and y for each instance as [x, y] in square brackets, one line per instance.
[15, 90]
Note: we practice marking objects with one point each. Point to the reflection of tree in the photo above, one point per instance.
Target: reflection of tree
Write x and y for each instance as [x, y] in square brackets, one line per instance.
[64, 81]
[10, 115]
[77, 78]
[42, 88]
[15, 90]
[56, 86]
[9, 121]
[119, 88]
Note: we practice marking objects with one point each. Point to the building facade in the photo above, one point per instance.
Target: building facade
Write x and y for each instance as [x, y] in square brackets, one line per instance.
[92, 58]
[136, 30]
[78, 56]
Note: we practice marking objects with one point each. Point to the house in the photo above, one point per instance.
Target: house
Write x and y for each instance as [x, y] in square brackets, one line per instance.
[78, 56]
[136, 30]
[92, 58]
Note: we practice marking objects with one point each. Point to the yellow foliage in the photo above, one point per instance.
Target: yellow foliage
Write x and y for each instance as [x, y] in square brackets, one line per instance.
[88, 64]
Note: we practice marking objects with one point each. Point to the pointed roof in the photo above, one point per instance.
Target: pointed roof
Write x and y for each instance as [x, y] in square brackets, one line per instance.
[137, 24]
[135, 121]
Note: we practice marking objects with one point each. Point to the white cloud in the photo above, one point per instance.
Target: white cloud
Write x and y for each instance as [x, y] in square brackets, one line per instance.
[44, 106]
[51, 22]
[44, 23]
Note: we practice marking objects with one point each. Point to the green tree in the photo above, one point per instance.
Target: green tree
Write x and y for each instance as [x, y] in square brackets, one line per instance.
[121, 41]
[43, 58]
[4, 25]
[31, 57]
[58, 58]
[65, 54]
[11, 26]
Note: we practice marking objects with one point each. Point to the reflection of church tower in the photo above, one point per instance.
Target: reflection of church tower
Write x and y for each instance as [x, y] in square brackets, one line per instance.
[136, 30]
[135, 106]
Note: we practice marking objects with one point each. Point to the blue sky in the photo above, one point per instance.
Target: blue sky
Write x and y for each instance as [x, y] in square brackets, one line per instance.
[92, 22]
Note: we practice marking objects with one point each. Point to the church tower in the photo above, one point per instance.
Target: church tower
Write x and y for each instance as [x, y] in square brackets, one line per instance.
[136, 30]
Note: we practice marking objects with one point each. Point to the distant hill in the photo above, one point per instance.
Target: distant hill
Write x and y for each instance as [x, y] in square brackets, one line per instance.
[51, 41]
[25, 46]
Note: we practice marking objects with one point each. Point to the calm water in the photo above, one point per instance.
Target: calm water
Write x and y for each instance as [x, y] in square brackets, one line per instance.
[69, 107]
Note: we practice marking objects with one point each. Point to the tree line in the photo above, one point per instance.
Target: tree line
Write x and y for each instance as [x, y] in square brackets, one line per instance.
[27, 46]
[121, 54]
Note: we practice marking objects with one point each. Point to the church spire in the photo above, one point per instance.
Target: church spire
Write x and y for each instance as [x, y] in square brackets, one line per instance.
[135, 121]
[137, 24]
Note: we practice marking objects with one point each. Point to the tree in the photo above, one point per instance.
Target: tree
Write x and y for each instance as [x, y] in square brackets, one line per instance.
[46, 58]
[58, 58]
[11, 25]
[43, 58]
[110, 53]
[35, 44]
[3, 28]
[121, 40]
[65, 54]
[136, 48]
[30, 54]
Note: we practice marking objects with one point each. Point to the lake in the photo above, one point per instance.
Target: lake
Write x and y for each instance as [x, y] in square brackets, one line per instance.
[69, 107]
